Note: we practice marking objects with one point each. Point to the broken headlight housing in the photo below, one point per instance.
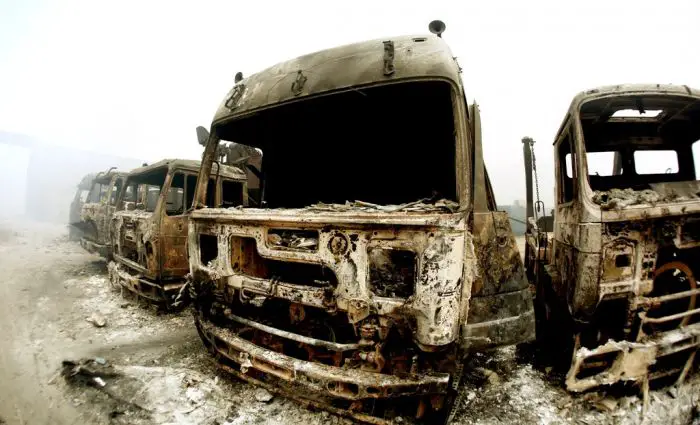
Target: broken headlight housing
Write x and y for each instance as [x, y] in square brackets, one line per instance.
[392, 272]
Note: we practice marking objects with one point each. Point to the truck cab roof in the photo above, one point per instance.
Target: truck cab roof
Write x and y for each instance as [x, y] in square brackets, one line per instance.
[225, 171]
[342, 68]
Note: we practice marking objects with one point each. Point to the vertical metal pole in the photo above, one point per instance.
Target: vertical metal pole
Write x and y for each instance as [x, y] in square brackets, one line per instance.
[527, 155]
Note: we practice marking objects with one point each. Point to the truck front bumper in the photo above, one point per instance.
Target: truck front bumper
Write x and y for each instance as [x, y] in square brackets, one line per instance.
[94, 247]
[334, 382]
[158, 293]
[633, 361]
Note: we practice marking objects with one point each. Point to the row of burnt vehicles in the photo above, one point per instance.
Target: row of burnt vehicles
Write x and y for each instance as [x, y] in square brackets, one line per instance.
[138, 220]
[370, 259]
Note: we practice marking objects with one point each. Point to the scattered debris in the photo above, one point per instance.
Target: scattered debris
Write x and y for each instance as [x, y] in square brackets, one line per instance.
[87, 372]
[262, 395]
[195, 395]
[97, 320]
[491, 377]
[607, 404]
[621, 198]
[673, 391]
[296, 239]
[422, 205]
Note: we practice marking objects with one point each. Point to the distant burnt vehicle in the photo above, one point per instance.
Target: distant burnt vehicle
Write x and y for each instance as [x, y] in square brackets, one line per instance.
[96, 212]
[75, 230]
[149, 228]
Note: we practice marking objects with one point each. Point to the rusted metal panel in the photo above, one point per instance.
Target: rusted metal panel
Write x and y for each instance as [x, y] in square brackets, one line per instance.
[500, 311]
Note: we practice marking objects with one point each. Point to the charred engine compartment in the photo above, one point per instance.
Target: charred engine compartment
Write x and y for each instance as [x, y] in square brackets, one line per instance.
[647, 325]
[365, 319]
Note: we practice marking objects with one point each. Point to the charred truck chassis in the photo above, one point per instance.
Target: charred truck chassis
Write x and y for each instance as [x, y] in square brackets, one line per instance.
[96, 212]
[366, 309]
[149, 230]
[617, 279]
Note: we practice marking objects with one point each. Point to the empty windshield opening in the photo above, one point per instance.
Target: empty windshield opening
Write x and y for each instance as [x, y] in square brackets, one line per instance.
[115, 191]
[175, 198]
[390, 144]
[143, 190]
[98, 192]
[643, 149]
[231, 193]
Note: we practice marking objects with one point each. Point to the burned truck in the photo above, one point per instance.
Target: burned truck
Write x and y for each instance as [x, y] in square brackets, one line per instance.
[75, 231]
[149, 229]
[616, 267]
[376, 261]
[96, 212]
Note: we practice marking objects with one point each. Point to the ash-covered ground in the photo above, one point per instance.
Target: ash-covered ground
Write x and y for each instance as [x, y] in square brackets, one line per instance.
[147, 367]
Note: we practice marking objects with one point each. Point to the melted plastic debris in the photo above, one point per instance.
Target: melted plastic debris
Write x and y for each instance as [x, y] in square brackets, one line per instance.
[622, 198]
[422, 205]
[306, 240]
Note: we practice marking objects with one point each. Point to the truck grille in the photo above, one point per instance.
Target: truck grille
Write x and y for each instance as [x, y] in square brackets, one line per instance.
[245, 260]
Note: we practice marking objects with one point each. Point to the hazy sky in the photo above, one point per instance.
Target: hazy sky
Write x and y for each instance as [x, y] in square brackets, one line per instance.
[135, 77]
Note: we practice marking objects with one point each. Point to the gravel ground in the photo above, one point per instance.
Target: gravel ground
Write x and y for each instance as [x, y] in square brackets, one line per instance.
[155, 370]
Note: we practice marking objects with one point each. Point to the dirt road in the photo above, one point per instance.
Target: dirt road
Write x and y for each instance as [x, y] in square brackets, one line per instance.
[155, 370]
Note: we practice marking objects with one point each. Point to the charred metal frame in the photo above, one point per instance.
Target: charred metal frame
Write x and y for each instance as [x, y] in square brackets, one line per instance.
[470, 291]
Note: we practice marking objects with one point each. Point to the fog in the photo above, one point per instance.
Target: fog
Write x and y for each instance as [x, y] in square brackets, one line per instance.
[132, 79]
[40, 179]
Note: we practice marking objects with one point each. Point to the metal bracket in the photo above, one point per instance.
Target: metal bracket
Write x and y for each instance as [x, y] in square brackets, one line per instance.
[298, 84]
[236, 95]
[388, 58]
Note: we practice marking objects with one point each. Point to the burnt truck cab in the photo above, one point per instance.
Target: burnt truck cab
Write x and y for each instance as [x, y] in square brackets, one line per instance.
[149, 228]
[622, 264]
[96, 212]
[75, 229]
[377, 259]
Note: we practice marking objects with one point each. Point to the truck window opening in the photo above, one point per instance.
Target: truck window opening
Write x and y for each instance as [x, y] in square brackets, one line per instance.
[175, 199]
[653, 147]
[147, 188]
[656, 162]
[566, 172]
[389, 144]
[601, 163]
